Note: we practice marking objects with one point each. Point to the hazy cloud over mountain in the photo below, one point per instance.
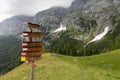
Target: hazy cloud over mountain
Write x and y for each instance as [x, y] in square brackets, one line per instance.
[28, 7]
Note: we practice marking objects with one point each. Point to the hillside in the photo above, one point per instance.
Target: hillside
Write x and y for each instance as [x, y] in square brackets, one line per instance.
[57, 67]
[83, 21]
[10, 41]
[10, 48]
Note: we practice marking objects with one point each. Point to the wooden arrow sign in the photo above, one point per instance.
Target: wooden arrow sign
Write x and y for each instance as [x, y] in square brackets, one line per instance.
[33, 25]
[32, 34]
[23, 58]
[32, 58]
[31, 54]
[31, 44]
[35, 49]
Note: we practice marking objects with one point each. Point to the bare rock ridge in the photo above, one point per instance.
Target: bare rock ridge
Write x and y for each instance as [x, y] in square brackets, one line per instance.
[50, 19]
[14, 25]
[100, 10]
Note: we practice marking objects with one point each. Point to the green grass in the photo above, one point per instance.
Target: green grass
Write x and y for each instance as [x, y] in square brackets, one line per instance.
[99, 67]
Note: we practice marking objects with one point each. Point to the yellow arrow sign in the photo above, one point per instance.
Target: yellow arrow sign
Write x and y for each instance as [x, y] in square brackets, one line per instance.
[23, 58]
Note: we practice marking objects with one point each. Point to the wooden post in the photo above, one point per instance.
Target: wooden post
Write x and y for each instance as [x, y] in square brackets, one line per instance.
[30, 38]
[32, 62]
[31, 47]
[32, 71]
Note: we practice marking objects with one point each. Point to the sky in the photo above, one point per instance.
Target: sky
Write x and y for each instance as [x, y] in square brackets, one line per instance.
[9, 8]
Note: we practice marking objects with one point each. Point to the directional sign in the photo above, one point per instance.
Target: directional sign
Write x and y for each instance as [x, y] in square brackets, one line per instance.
[31, 44]
[33, 25]
[23, 58]
[31, 54]
[31, 50]
[32, 34]
[32, 58]
[36, 49]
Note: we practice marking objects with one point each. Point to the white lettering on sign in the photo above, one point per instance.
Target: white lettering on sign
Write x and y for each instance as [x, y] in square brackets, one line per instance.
[25, 34]
[25, 49]
[23, 53]
[24, 44]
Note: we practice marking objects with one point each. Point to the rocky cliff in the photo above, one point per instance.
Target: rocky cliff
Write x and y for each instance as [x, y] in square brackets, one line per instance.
[100, 10]
[50, 19]
[86, 16]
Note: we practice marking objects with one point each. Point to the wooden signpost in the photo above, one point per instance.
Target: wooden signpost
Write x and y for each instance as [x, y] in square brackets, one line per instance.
[31, 51]
[32, 34]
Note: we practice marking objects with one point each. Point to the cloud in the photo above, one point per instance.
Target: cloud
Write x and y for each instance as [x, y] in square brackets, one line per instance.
[28, 7]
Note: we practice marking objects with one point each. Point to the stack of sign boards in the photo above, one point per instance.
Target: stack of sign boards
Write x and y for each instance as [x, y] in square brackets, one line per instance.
[31, 50]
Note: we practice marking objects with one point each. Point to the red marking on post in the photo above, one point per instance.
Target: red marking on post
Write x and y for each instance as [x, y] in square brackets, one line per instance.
[24, 44]
[23, 54]
[25, 34]
[25, 49]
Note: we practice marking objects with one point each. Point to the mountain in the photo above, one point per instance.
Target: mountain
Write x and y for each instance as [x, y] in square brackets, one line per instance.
[100, 11]
[67, 30]
[50, 18]
[84, 21]
[10, 41]
[14, 25]
[59, 67]
[78, 4]
[10, 49]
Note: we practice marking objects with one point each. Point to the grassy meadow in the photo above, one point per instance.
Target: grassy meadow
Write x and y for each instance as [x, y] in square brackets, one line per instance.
[105, 66]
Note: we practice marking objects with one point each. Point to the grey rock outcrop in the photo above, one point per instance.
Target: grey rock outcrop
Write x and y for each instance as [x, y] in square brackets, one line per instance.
[51, 18]
[14, 25]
